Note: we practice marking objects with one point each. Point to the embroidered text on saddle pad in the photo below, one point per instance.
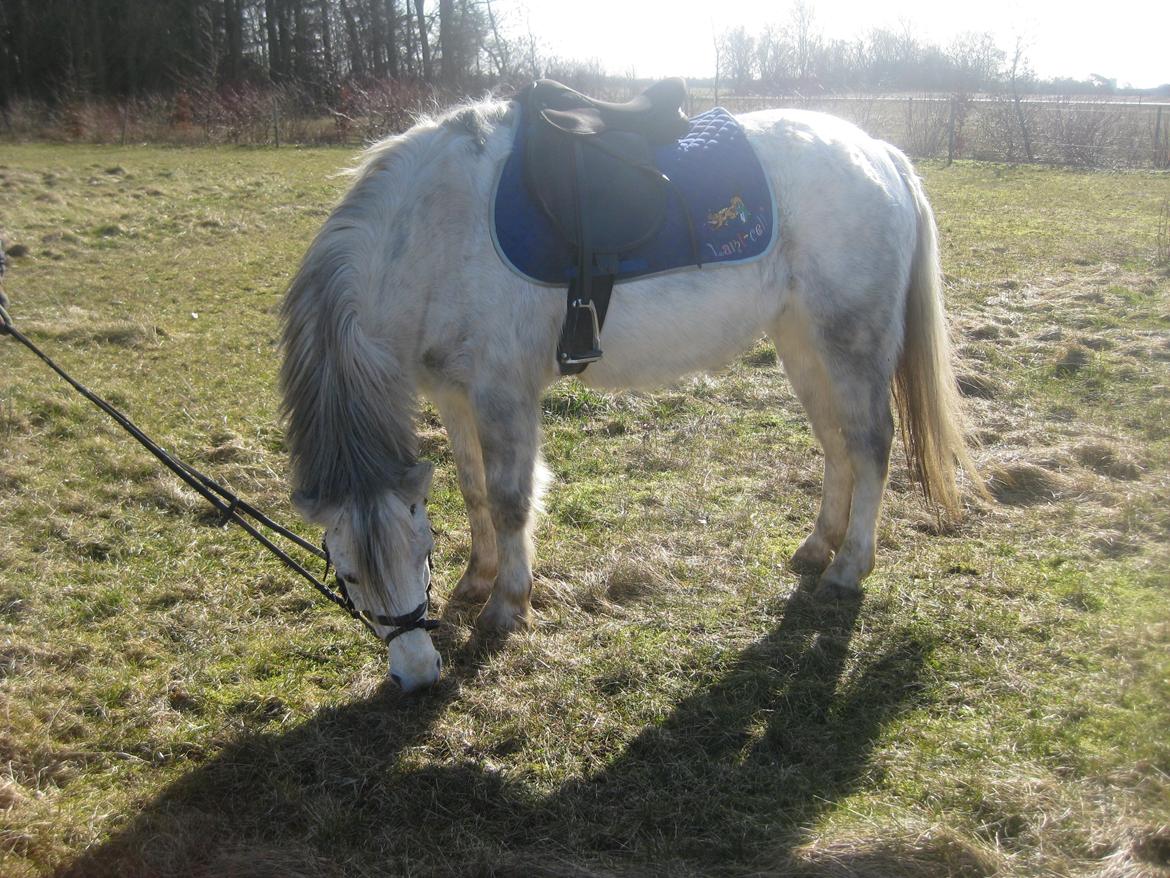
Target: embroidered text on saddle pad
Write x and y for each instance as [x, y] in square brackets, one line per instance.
[720, 186]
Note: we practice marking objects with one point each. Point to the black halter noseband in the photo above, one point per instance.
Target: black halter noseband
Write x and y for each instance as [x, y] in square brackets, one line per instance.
[416, 618]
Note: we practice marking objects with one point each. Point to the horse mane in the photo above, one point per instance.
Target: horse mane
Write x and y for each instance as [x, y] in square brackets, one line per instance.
[349, 415]
[349, 403]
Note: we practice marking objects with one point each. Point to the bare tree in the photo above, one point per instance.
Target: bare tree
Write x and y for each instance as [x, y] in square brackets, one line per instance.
[739, 53]
[1019, 76]
[773, 56]
[392, 38]
[975, 62]
[499, 51]
[422, 39]
[805, 39]
[450, 63]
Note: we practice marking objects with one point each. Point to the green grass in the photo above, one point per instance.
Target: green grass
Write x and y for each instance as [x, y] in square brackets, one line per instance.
[175, 703]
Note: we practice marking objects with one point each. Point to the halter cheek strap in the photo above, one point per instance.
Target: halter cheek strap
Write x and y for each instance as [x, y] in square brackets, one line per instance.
[416, 618]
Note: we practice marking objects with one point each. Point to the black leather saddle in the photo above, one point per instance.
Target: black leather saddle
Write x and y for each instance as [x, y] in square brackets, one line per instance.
[589, 165]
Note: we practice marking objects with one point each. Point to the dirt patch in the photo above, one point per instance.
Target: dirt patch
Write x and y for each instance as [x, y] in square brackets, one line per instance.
[1153, 846]
[229, 450]
[625, 579]
[1072, 361]
[985, 332]
[1114, 544]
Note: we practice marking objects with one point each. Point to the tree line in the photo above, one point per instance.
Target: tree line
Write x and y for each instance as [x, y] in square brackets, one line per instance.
[61, 50]
[50, 49]
[796, 56]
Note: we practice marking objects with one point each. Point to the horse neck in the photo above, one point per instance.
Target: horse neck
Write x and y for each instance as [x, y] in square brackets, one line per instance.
[352, 315]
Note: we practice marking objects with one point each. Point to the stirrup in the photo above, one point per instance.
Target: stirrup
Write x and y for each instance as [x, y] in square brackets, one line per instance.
[565, 358]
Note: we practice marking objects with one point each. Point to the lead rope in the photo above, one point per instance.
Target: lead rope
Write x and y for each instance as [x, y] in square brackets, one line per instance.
[230, 506]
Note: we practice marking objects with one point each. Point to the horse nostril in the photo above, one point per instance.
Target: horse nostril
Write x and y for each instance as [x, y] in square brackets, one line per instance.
[438, 664]
[397, 680]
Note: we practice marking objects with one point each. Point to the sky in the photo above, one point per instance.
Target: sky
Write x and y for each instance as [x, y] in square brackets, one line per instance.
[1124, 40]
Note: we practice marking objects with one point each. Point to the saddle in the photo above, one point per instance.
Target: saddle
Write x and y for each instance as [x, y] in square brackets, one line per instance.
[589, 166]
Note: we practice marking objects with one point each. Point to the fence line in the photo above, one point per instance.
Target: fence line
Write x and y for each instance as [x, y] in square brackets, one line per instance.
[1051, 130]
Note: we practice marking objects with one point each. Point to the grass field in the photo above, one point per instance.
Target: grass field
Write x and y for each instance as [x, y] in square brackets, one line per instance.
[175, 703]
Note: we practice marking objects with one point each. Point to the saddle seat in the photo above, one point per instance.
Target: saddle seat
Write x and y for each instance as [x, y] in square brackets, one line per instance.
[589, 164]
[656, 113]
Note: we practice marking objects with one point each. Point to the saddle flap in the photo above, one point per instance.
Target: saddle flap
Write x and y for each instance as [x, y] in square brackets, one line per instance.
[612, 188]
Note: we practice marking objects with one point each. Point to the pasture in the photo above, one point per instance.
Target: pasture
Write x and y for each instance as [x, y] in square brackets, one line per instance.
[176, 703]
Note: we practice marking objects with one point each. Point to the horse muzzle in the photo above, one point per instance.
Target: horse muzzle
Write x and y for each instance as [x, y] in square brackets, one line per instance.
[414, 662]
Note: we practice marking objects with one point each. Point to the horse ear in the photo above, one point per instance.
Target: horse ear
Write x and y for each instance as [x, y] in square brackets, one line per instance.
[416, 481]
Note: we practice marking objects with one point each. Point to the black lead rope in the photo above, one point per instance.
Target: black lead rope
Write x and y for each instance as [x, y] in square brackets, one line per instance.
[233, 508]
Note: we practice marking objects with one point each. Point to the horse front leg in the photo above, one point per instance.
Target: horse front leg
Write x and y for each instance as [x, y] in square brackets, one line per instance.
[507, 424]
[476, 583]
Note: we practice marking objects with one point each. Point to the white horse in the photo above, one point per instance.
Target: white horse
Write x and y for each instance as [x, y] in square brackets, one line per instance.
[403, 293]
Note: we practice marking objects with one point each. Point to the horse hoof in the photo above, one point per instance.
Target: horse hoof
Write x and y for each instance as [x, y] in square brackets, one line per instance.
[808, 559]
[471, 590]
[807, 566]
[502, 617]
[831, 590]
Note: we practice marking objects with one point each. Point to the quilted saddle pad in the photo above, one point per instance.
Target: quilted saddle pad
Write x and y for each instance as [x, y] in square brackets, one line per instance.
[719, 190]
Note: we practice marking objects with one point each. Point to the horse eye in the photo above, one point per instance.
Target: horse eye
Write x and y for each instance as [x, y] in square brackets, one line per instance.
[413, 507]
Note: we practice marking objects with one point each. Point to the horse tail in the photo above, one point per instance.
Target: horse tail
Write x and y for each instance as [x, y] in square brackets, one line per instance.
[926, 394]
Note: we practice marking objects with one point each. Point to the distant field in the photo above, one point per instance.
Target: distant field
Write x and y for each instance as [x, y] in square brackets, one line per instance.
[174, 703]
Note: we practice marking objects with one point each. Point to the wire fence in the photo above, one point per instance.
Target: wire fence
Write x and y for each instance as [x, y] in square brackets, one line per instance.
[1053, 130]
[1060, 131]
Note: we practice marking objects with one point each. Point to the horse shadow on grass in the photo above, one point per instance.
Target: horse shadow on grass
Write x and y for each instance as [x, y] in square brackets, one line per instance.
[729, 783]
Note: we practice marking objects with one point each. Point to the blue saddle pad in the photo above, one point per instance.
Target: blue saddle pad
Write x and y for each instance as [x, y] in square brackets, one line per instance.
[719, 184]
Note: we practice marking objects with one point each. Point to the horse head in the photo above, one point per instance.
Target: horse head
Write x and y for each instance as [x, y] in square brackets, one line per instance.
[381, 548]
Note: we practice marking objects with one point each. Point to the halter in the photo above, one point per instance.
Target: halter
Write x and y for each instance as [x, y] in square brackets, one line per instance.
[416, 618]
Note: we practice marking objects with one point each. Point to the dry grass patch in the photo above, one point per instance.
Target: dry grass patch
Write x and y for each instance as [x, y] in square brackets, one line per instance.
[1021, 483]
[1108, 460]
[928, 853]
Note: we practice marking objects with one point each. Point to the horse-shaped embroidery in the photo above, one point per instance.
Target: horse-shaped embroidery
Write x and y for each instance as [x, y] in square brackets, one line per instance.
[736, 210]
[852, 298]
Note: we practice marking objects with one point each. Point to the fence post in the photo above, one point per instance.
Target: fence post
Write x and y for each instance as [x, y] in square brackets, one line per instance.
[1158, 159]
[951, 133]
[909, 123]
[275, 122]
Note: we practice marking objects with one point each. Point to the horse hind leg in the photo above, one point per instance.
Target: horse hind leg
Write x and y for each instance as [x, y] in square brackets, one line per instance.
[811, 383]
[476, 582]
[846, 393]
[868, 436]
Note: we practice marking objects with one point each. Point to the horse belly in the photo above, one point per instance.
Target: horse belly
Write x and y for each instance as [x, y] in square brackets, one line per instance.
[662, 328]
